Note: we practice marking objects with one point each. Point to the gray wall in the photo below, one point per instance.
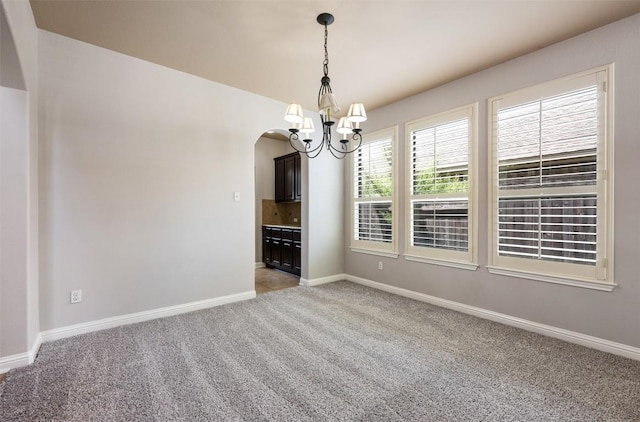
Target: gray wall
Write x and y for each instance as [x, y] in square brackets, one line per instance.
[323, 229]
[139, 164]
[614, 316]
[18, 182]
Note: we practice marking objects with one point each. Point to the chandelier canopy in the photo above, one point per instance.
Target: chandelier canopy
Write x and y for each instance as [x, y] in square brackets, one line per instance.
[348, 126]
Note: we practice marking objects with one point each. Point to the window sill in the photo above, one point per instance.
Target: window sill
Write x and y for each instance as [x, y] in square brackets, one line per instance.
[586, 284]
[470, 266]
[386, 254]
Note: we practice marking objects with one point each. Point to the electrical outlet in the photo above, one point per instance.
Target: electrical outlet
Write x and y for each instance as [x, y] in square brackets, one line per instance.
[236, 196]
[76, 296]
[380, 265]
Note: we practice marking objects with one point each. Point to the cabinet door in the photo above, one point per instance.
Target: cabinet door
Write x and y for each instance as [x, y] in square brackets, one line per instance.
[297, 178]
[297, 258]
[280, 179]
[289, 174]
[276, 252]
[287, 255]
[266, 246]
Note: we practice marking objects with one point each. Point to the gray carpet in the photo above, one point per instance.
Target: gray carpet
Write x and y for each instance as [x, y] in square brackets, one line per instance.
[335, 352]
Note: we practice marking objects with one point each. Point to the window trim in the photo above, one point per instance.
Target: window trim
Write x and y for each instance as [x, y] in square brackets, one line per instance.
[389, 250]
[522, 268]
[463, 260]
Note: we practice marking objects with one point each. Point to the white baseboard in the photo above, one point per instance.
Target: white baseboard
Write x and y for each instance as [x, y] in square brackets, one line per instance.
[20, 359]
[323, 280]
[260, 265]
[102, 324]
[547, 330]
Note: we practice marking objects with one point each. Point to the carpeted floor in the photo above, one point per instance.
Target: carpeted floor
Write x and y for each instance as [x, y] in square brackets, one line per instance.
[335, 352]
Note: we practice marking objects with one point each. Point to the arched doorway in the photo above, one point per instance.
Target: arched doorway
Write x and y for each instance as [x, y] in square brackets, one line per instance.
[281, 219]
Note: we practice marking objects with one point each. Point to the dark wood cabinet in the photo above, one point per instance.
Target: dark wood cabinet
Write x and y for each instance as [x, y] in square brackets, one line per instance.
[280, 180]
[297, 178]
[287, 255]
[297, 251]
[288, 178]
[266, 245]
[276, 252]
[282, 248]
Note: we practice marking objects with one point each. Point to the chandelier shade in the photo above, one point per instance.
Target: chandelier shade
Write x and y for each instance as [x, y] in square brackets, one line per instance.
[344, 126]
[307, 126]
[328, 104]
[348, 126]
[294, 114]
[356, 113]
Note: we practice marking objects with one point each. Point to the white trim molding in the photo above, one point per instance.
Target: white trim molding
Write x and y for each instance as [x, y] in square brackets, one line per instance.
[20, 359]
[260, 265]
[323, 280]
[386, 254]
[587, 284]
[103, 324]
[547, 330]
[444, 262]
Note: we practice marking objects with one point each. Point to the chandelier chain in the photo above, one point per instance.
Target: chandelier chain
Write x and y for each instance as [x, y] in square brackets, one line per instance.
[325, 63]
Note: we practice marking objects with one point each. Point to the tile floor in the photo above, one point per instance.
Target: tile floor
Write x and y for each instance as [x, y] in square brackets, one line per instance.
[269, 280]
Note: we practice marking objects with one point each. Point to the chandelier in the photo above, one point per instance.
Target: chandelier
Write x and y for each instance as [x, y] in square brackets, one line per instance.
[348, 126]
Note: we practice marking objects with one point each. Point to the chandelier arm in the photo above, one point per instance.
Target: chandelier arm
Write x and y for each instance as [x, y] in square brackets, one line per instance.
[355, 137]
[339, 157]
[315, 152]
[294, 137]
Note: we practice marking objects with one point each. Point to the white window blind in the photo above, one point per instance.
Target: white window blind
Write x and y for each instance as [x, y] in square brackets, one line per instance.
[549, 144]
[549, 199]
[373, 170]
[439, 166]
[439, 200]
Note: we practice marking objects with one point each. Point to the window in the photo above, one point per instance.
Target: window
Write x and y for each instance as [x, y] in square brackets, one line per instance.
[440, 197]
[373, 206]
[551, 196]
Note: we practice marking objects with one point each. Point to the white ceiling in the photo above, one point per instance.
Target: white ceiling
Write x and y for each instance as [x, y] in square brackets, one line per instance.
[379, 50]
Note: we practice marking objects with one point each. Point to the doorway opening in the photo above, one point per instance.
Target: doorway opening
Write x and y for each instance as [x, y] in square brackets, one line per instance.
[278, 220]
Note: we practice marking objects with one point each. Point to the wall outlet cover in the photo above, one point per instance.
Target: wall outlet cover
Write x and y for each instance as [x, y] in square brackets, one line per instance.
[76, 296]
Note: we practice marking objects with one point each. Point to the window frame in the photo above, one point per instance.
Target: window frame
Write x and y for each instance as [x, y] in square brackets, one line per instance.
[600, 276]
[390, 249]
[467, 260]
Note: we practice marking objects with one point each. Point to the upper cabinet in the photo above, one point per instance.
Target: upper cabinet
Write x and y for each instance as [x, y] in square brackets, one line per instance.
[288, 178]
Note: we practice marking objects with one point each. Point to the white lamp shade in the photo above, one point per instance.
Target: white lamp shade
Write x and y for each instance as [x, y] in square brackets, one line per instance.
[307, 126]
[344, 127]
[294, 113]
[357, 113]
[329, 103]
